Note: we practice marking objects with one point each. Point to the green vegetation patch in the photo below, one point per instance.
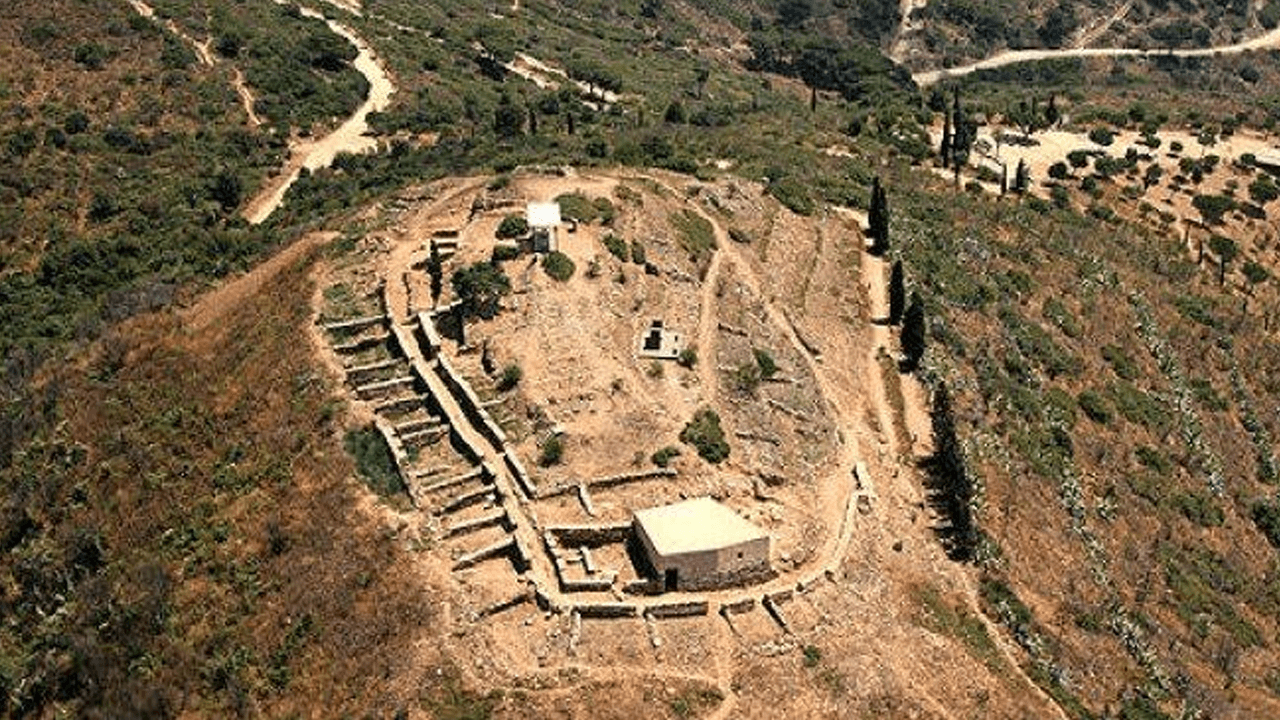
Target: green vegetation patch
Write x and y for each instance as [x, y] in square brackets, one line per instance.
[374, 461]
[558, 266]
[694, 233]
[704, 433]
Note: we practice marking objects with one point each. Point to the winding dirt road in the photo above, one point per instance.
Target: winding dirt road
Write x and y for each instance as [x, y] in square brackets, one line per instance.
[1013, 57]
[349, 137]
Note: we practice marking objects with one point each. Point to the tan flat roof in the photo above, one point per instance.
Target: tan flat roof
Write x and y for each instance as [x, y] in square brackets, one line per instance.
[696, 525]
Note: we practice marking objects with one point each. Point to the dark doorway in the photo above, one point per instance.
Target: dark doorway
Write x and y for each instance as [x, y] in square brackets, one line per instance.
[672, 580]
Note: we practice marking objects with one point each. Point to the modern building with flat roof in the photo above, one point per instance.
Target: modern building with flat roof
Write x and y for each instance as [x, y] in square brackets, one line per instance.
[700, 544]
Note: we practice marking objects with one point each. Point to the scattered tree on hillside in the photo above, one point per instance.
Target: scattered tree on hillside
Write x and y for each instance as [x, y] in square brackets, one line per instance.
[897, 293]
[480, 288]
[913, 334]
[1059, 171]
[1152, 176]
[508, 118]
[512, 226]
[1213, 207]
[1226, 250]
[878, 219]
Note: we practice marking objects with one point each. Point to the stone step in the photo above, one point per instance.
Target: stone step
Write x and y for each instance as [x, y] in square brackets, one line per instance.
[363, 343]
[356, 323]
[422, 423]
[467, 499]
[497, 517]
[374, 367]
[453, 481]
[402, 403]
[502, 547]
[381, 385]
[428, 434]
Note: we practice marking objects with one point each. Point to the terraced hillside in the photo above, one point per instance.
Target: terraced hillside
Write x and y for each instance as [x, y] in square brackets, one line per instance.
[273, 499]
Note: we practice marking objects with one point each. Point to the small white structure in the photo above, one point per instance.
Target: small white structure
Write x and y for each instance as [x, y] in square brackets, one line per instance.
[659, 343]
[543, 219]
[699, 544]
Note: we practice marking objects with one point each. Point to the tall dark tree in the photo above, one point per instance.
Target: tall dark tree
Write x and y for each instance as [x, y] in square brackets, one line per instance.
[878, 219]
[435, 270]
[508, 118]
[1051, 114]
[1004, 179]
[897, 293]
[1021, 178]
[945, 150]
[1226, 250]
[952, 485]
[913, 334]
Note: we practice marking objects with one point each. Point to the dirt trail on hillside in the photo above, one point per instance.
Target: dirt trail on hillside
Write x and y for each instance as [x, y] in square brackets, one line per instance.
[1090, 34]
[349, 137]
[1013, 57]
[246, 97]
[215, 305]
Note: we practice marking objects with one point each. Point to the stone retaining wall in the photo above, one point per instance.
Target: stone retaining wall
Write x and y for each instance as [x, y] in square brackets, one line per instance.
[687, 608]
[590, 535]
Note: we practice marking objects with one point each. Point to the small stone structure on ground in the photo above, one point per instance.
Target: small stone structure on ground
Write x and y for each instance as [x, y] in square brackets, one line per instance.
[659, 343]
[543, 219]
[700, 544]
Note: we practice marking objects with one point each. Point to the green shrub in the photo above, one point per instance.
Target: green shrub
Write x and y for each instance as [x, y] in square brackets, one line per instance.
[1058, 314]
[1137, 406]
[1153, 459]
[746, 378]
[579, 207]
[1199, 508]
[694, 234]
[704, 433]
[1120, 362]
[558, 266]
[480, 288]
[794, 195]
[511, 376]
[616, 246]
[1102, 135]
[374, 461]
[552, 451]
[688, 357]
[1094, 407]
[637, 253]
[739, 235]
[1266, 515]
[764, 361]
[512, 226]
[662, 458]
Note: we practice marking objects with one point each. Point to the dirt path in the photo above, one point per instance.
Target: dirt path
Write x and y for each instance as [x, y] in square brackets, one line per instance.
[202, 49]
[246, 97]
[349, 137]
[214, 305]
[545, 76]
[905, 27]
[1090, 34]
[1013, 57]
[708, 329]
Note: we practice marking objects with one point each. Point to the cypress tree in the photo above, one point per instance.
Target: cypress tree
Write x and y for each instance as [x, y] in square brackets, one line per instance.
[1004, 179]
[878, 219]
[913, 334]
[1021, 178]
[952, 478]
[897, 293]
[945, 150]
[435, 269]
